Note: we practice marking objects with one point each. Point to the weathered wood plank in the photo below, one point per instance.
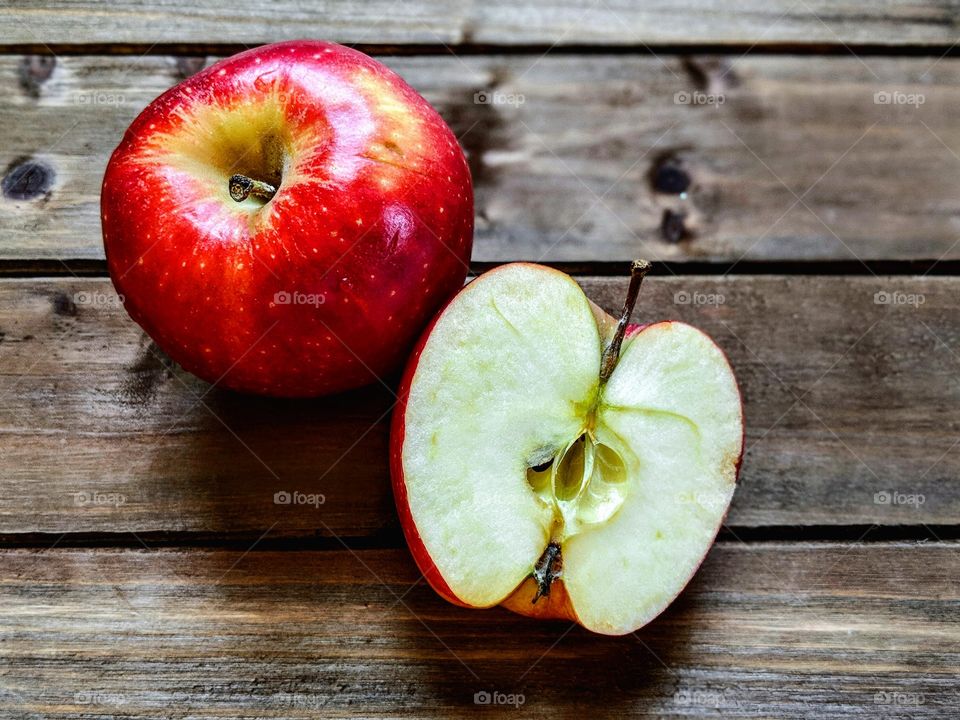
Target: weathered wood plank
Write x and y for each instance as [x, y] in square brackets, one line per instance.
[540, 22]
[767, 630]
[844, 399]
[799, 162]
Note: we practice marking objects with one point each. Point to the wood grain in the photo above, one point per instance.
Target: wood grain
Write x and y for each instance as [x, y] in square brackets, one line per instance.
[798, 163]
[844, 399]
[578, 155]
[782, 630]
[538, 22]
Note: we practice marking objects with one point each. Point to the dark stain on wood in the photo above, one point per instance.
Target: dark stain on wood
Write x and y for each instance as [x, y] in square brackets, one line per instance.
[33, 71]
[63, 305]
[468, 32]
[668, 176]
[711, 74]
[27, 179]
[146, 374]
[673, 227]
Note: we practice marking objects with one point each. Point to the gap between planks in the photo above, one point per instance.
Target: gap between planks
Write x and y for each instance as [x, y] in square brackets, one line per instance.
[812, 534]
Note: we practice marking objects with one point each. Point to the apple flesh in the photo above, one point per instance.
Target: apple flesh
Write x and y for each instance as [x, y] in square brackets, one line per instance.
[526, 476]
[287, 220]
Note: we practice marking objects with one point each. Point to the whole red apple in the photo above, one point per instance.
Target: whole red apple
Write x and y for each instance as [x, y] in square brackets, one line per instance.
[286, 221]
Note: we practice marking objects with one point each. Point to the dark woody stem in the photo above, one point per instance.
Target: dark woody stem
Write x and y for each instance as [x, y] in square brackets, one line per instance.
[638, 271]
[242, 187]
[548, 568]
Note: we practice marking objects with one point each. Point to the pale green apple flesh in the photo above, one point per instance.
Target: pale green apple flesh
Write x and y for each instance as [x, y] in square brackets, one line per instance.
[513, 443]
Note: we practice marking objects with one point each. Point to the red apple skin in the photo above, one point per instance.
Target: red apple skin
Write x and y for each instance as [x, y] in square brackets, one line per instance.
[369, 233]
[557, 605]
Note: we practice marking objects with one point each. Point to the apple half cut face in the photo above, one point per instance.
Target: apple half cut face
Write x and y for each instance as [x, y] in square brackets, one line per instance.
[522, 478]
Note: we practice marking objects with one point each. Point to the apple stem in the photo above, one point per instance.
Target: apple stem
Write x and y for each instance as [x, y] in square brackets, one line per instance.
[547, 569]
[638, 271]
[242, 187]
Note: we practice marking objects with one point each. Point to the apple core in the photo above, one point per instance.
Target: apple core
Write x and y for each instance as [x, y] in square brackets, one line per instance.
[586, 483]
[587, 479]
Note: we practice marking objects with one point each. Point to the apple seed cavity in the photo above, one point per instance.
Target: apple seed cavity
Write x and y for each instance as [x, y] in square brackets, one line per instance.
[585, 484]
[586, 481]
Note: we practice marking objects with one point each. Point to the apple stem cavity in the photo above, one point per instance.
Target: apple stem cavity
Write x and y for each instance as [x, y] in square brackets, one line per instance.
[548, 568]
[242, 187]
[638, 271]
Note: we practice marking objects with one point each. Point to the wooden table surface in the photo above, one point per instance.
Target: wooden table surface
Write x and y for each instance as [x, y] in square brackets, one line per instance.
[145, 570]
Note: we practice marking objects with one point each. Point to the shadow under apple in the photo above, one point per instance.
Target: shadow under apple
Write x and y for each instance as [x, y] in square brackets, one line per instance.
[503, 658]
[218, 463]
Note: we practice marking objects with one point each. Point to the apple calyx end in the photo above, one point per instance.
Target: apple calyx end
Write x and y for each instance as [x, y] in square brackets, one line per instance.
[548, 569]
[638, 271]
[241, 187]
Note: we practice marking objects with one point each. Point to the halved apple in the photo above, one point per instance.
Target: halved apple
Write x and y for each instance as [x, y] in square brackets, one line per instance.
[546, 458]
